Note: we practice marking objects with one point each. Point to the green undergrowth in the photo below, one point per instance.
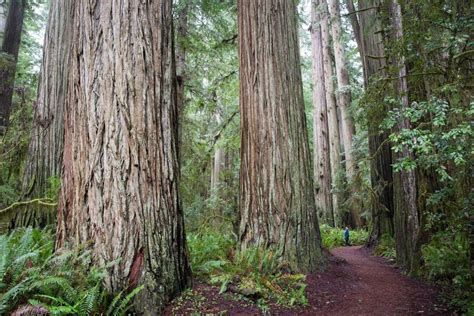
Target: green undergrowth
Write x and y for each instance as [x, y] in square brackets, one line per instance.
[333, 237]
[386, 247]
[447, 262]
[34, 280]
[256, 274]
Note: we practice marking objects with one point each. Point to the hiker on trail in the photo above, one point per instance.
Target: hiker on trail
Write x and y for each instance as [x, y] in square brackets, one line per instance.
[346, 236]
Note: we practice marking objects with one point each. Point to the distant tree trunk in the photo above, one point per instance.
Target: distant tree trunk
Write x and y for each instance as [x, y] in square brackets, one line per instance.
[407, 218]
[379, 148]
[219, 160]
[181, 36]
[45, 151]
[277, 205]
[9, 57]
[3, 19]
[344, 101]
[333, 125]
[218, 165]
[120, 179]
[356, 28]
[322, 168]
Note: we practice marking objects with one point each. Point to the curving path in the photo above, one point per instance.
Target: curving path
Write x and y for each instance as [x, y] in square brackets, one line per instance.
[355, 283]
[368, 285]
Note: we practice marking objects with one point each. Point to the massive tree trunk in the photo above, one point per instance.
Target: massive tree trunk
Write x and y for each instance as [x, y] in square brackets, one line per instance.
[120, 178]
[407, 218]
[277, 203]
[8, 58]
[375, 64]
[344, 101]
[322, 168]
[45, 152]
[333, 125]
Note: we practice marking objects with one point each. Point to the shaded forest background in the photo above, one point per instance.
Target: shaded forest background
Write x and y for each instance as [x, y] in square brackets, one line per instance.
[391, 151]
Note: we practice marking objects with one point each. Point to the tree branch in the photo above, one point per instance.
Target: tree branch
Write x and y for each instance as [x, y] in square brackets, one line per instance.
[223, 127]
[40, 201]
[360, 10]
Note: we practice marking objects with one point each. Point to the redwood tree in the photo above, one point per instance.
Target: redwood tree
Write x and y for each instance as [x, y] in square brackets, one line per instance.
[372, 49]
[219, 158]
[8, 58]
[322, 167]
[407, 215]
[120, 177]
[333, 125]
[181, 73]
[45, 151]
[277, 205]
[344, 102]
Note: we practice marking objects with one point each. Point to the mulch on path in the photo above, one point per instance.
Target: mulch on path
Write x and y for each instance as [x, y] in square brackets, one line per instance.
[355, 283]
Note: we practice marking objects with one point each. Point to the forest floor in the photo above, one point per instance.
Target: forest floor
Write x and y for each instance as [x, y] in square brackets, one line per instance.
[355, 283]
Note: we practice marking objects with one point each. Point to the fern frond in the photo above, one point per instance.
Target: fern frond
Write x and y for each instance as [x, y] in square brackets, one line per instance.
[11, 296]
[19, 261]
[125, 303]
[49, 282]
[56, 300]
[114, 302]
[89, 301]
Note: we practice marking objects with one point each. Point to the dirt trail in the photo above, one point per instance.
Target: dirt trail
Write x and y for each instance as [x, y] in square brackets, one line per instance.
[369, 285]
[355, 283]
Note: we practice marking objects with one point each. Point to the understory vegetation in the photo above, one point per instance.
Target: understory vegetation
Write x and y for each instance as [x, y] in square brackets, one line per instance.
[333, 237]
[448, 264]
[386, 247]
[256, 274]
[36, 281]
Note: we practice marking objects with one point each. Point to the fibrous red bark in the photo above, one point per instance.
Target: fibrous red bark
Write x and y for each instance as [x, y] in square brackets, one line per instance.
[322, 167]
[45, 151]
[374, 62]
[120, 177]
[344, 102]
[277, 205]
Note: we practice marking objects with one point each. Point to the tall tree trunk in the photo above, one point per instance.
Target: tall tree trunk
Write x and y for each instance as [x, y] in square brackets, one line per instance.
[9, 57]
[45, 151]
[120, 178]
[333, 125]
[356, 28]
[344, 101]
[181, 36]
[218, 166]
[375, 64]
[277, 203]
[322, 168]
[407, 219]
[219, 159]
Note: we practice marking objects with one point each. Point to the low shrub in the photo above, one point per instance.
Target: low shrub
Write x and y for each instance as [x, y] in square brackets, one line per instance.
[333, 237]
[209, 250]
[386, 247]
[34, 280]
[447, 262]
[255, 273]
